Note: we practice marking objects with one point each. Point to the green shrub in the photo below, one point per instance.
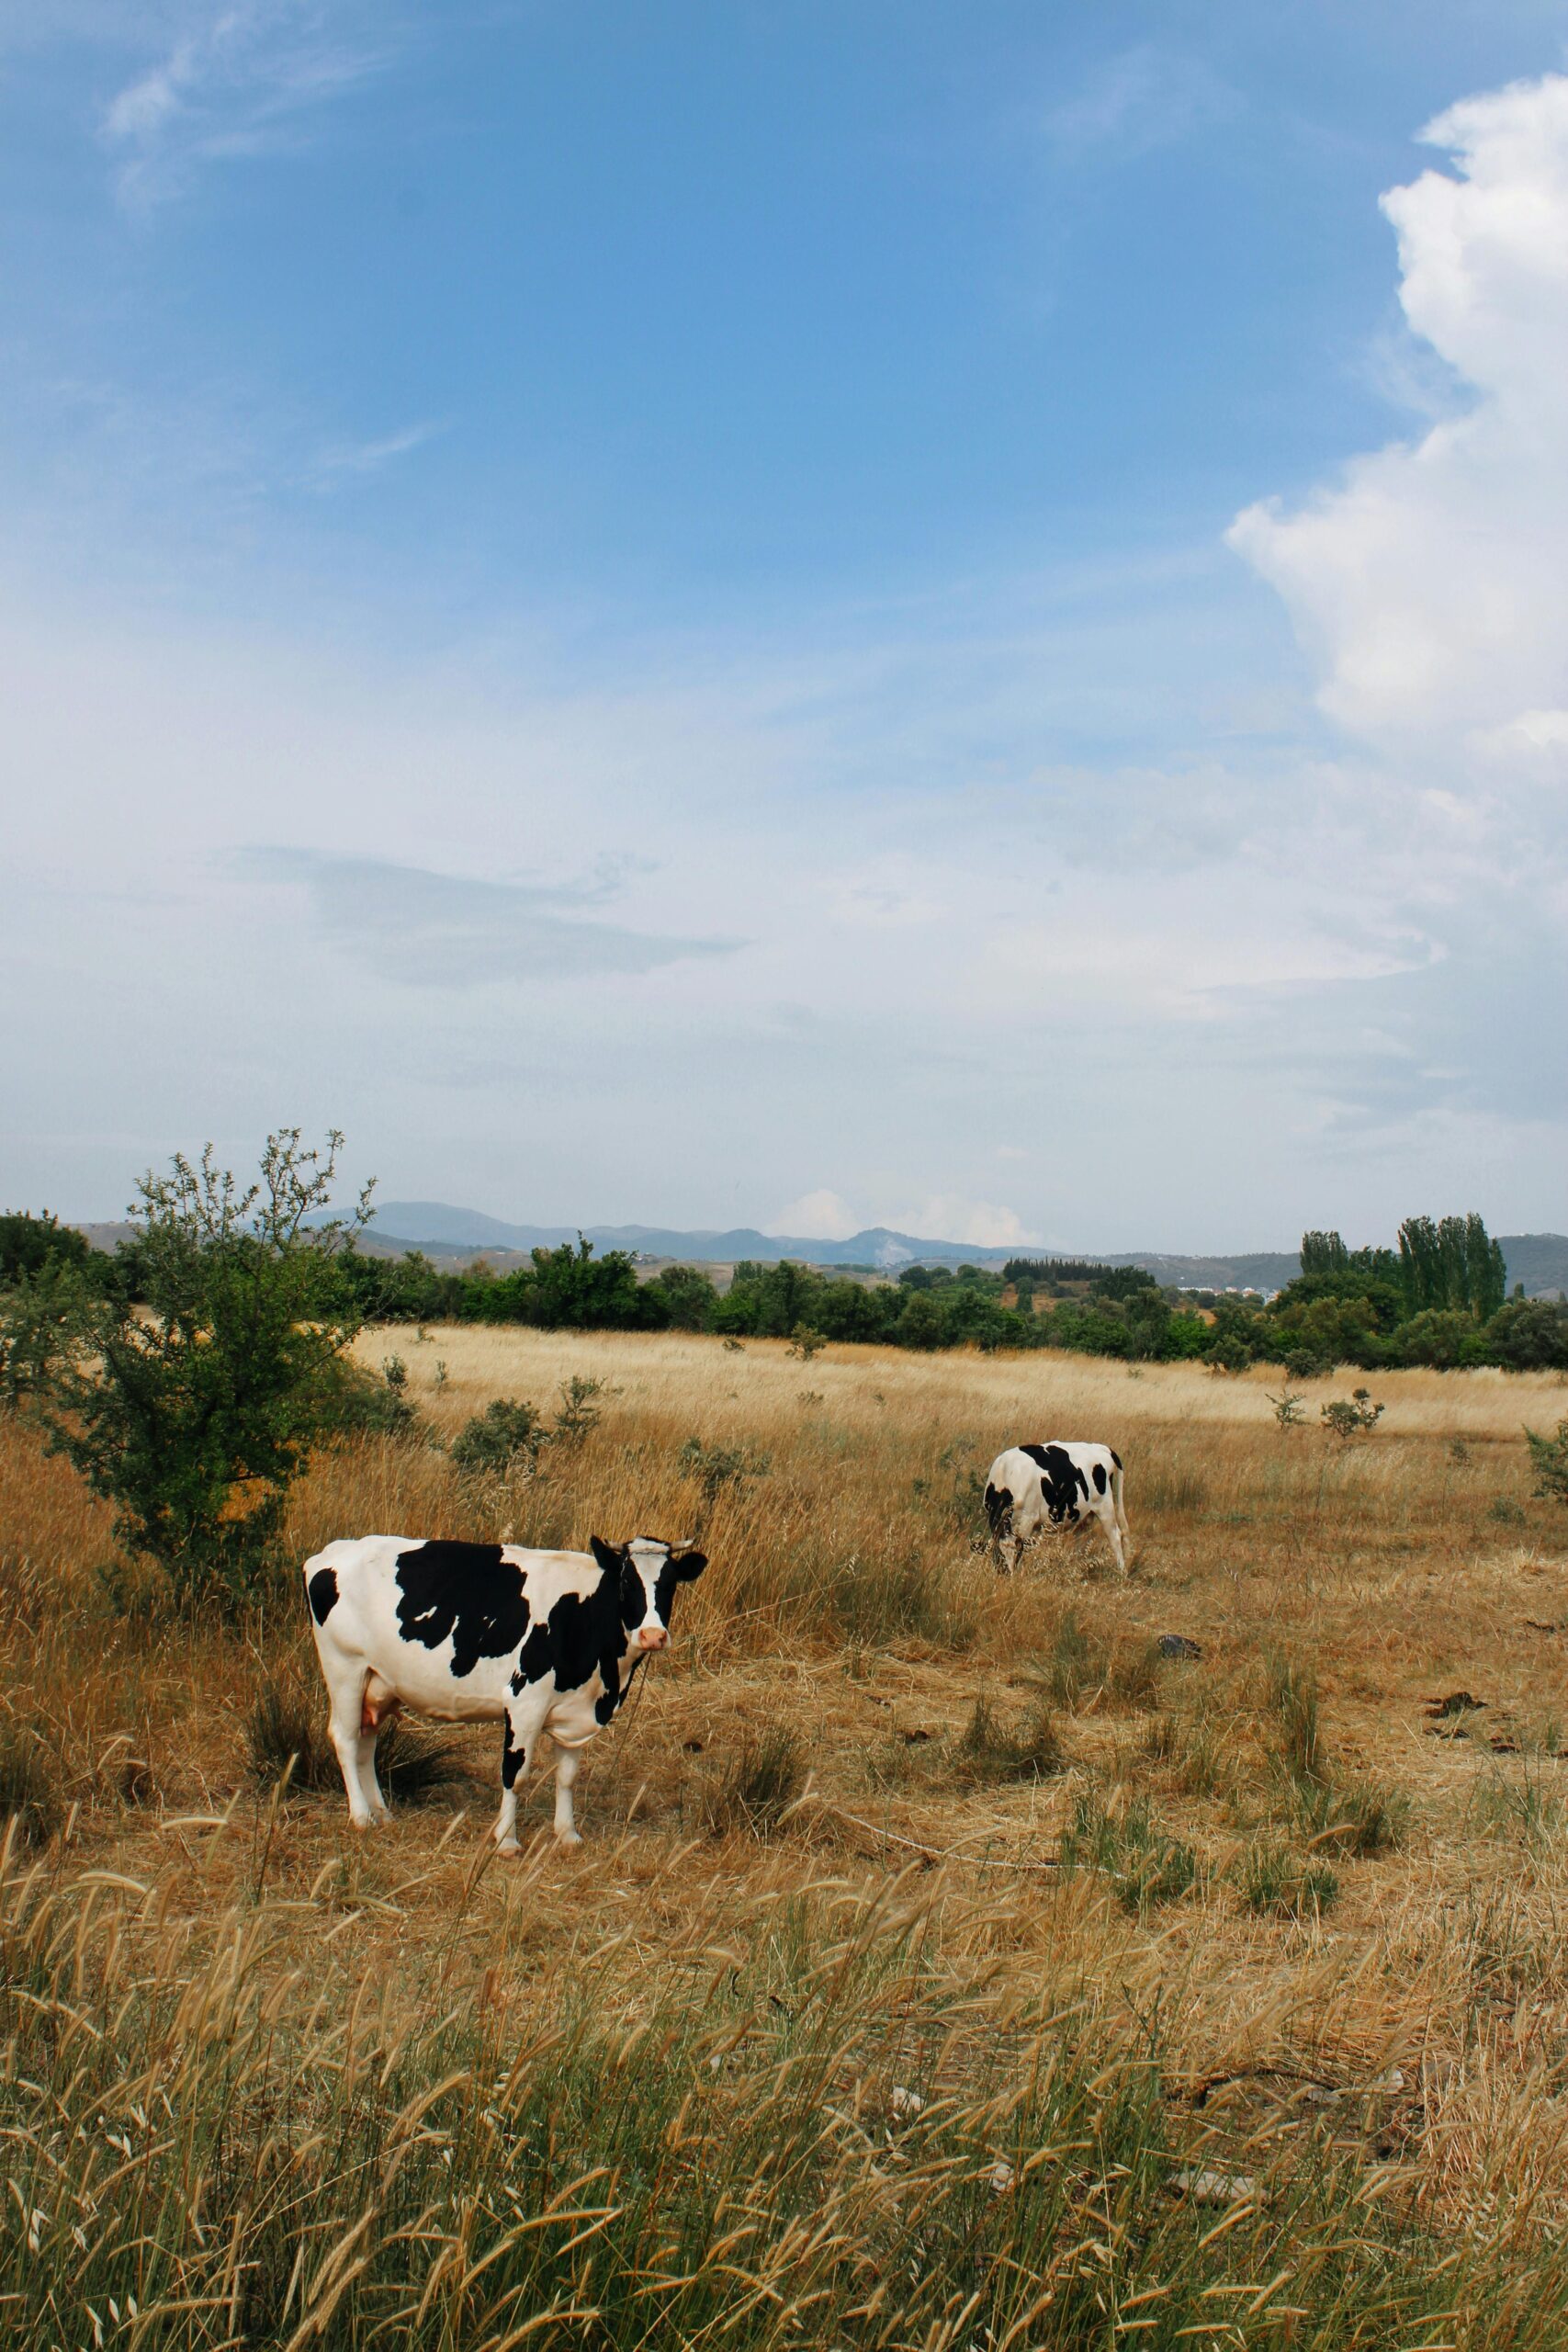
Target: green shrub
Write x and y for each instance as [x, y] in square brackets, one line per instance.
[577, 1415]
[1147, 1865]
[715, 1467]
[194, 1412]
[1270, 1882]
[1549, 1460]
[508, 1435]
[1352, 1417]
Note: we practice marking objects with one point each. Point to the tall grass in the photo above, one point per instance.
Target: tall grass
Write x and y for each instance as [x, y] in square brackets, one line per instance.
[817, 2138]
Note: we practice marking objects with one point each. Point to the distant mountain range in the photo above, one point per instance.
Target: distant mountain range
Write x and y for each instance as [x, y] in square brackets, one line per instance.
[1539, 1260]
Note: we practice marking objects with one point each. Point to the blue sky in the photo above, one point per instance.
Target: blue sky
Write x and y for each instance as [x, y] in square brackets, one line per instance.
[646, 608]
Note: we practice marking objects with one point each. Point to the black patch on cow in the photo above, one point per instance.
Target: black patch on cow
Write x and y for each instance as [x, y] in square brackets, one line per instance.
[999, 1509]
[1115, 1455]
[583, 1635]
[1060, 1482]
[1097, 1474]
[684, 1569]
[466, 1592]
[510, 1755]
[322, 1594]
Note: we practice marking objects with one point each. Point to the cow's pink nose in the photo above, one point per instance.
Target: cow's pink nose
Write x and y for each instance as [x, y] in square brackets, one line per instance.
[653, 1637]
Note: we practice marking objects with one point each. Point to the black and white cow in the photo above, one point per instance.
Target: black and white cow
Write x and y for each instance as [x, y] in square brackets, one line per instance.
[486, 1632]
[1054, 1489]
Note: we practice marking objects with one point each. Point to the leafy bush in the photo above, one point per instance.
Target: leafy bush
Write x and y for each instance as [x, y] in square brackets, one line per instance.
[714, 1467]
[577, 1415]
[509, 1434]
[1352, 1417]
[363, 1405]
[28, 1244]
[194, 1417]
[805, 1343]
[1549, 1460]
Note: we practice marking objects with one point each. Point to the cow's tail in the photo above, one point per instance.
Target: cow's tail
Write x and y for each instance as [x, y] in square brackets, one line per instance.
[998, 1511]
[1116, 1476]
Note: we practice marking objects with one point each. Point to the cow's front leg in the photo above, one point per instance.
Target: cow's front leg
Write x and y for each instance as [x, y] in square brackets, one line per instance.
[566, 1827]
[518, 1740]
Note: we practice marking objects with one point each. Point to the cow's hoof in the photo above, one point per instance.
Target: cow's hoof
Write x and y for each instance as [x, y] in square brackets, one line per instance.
[568, 1837]
[507, 1845]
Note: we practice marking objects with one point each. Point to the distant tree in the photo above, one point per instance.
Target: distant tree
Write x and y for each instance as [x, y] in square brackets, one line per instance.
[688, 1294]
[1453, 1263]
[1324, 1253]
[28, 1243]
[572, 1289]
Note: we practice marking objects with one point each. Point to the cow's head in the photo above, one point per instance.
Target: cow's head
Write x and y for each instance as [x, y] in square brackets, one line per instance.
[647, 1572]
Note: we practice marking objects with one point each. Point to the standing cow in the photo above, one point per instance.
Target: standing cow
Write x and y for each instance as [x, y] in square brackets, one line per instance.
[1054, 1489]
[486, 1632]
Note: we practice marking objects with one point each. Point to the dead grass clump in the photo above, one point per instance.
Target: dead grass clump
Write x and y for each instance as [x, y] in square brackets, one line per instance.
[1291, 1699]
[1358, 1816]
[30, 1805]
[286, 1732]
[986, 1751]
[892, 1597]
[286, 1727]
[759, 1789]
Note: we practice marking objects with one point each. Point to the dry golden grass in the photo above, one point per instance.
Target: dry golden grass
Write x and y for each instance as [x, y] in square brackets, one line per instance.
[1407, 2024]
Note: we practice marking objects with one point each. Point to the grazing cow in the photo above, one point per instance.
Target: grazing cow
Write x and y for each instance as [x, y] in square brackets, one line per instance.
[1054, 1489]
[486, 1632]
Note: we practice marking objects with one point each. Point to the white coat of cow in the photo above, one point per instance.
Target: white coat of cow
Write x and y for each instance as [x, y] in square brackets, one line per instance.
[486, 1632]
[1057, 1488]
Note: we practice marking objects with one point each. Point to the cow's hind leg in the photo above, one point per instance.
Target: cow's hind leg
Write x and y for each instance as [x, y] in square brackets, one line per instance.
[1113, 1533]
[346, 1690]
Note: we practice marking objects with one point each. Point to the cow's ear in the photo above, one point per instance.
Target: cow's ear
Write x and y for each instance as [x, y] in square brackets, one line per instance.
[609, 1559]
[689, 1567]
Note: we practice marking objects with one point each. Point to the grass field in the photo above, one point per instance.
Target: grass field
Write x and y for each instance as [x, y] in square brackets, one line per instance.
[944, 1966]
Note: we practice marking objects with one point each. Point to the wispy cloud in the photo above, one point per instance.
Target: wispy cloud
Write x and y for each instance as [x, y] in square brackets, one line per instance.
[451, 930]
[239, 82]
[348, 460]
[1142, 98]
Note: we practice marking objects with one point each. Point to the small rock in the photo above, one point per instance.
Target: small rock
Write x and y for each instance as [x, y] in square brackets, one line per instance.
[692, 1746]
[1177, 1645]
[1002, 2177]
[1215, 2187]
[913, 1739]
[1319, 2095]
[1393, 2081]
[903, 2104]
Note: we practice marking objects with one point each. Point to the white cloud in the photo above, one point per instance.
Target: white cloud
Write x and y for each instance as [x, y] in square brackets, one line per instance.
[948, 1216]
[235, 82]
[819, 1216]
[1428, 585]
